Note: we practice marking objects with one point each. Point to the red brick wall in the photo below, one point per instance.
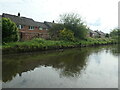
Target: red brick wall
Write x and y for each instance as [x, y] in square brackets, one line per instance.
[27, 34]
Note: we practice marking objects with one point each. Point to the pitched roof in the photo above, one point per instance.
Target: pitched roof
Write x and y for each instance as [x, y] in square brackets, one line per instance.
[20, 20]
[100, 32]
[25, 21]
[93, 32]
[41, 25]
[48, 24]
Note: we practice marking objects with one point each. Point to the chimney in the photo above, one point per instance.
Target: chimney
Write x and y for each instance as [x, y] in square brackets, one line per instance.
[3, 15]
[53, 21]
[18, 14]
[45, 22]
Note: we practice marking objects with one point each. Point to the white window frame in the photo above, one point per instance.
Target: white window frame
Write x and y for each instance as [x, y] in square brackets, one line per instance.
[20, 26]
[31, 27]
[40, 28]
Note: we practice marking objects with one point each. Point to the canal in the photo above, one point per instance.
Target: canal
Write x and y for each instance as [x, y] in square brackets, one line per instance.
[88, 67]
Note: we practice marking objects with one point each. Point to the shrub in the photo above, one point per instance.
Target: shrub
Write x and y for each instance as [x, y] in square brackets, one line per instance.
[9, 31]
[66, 34]
[74, 22]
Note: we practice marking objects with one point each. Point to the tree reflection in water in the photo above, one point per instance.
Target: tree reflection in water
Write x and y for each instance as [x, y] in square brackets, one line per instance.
[69, 63]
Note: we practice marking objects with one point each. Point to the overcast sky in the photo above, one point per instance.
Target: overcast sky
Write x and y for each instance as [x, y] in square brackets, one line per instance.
[97, 14]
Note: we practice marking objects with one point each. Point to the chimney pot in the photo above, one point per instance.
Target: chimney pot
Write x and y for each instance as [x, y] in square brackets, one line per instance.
[3, 15]
[19, 14]
[53, 21]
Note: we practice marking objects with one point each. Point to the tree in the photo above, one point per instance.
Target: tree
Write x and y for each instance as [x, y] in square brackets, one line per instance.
[107, 35]
[54, 31]
[74, 22]
[71, 22]
[115, 33]
[10, 31]
[66, 34]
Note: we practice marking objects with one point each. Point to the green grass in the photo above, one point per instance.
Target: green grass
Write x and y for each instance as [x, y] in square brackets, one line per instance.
[39, 44]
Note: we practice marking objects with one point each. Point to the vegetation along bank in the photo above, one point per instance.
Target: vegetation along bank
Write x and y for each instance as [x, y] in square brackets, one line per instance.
[69, 32]
[41, 44]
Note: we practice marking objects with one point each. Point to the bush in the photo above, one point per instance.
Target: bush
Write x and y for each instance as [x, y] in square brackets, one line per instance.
[39, 44]
[74, 23]
[66, 34]
[54, 31]
[9, 31]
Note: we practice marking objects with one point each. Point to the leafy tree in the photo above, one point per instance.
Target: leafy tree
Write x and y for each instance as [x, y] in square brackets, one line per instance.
[54, 31]
[66, 34]
[9, 31]
[74, 22]
[115, 33]
[71, 22]
[107, 35]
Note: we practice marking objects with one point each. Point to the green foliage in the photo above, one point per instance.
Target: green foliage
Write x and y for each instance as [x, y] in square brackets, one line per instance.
[9, 31]
[54, 31]
[114, 33]
[41, 44]
[74, 22]
[66, 35]
[71, 22]
[107, 35]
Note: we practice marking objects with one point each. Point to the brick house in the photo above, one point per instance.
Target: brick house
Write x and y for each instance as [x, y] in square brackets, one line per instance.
[100, 34]
[96, 34]
[92, 34]
[28, 28]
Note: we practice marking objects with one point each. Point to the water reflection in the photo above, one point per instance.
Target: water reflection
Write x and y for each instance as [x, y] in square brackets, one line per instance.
[68, 63]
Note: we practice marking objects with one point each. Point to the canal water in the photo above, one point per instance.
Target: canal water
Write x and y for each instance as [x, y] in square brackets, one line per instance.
[88, 67]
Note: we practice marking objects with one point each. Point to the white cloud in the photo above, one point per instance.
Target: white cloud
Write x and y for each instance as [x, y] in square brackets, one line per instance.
[103, 11]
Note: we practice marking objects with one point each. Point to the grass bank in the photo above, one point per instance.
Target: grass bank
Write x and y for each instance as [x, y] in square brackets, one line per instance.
[39, 44]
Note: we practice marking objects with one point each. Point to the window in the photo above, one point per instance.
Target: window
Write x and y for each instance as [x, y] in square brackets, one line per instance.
[31, 27]
[20, 26]
[40, 28]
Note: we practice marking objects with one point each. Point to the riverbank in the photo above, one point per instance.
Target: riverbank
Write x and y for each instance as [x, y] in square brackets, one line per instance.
[39, 44]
